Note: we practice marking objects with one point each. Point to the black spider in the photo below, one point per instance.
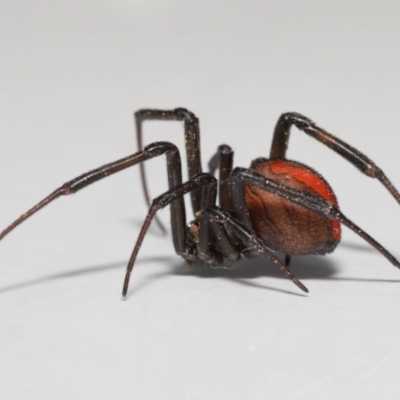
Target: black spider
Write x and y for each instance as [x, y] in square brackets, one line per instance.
[275, 205]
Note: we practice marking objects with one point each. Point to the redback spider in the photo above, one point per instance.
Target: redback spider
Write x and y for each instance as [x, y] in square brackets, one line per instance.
[275, 205]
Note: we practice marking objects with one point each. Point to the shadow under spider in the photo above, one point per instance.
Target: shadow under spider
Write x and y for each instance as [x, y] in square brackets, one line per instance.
[357, 246]
[303, 267]
[78, 272]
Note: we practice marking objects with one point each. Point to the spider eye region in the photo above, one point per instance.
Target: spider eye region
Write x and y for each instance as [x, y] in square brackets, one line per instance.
[285, 226]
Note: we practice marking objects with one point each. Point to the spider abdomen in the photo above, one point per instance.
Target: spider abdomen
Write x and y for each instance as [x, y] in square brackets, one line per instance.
[285, 226]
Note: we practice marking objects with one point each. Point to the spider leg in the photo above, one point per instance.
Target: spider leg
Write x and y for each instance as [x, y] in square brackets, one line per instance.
[178, 216]
[192, 143]
[228, 247]
[213, 236]
[363, 163]
[287, 261]
[174, 194]
[249, 239]
[222, 160]
[314, 203]
[205, 240]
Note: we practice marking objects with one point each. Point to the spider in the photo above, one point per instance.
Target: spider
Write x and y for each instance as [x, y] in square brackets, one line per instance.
[275, 205]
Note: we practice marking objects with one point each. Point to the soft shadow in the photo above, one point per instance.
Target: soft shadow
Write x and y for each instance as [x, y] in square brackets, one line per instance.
[303, 267]
[273, 289]
[184, 269]
[357, 246]
[306, 267]
[81, 271]
[367, 280]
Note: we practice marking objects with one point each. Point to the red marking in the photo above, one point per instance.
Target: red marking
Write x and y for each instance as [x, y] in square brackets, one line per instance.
[311, 179]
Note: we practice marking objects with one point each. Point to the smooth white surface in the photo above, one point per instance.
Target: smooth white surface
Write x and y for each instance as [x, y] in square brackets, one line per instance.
[71, 75]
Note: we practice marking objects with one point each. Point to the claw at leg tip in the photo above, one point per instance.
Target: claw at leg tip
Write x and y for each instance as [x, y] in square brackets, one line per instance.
[300, 285]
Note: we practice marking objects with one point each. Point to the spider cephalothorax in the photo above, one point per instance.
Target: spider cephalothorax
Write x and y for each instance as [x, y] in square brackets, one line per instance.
[275, 205]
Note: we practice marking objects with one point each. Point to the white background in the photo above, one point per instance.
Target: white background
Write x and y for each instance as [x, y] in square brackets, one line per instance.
[71, 74]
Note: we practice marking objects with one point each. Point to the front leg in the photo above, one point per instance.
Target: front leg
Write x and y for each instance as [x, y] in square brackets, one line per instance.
[173, 195]
[174, 173]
